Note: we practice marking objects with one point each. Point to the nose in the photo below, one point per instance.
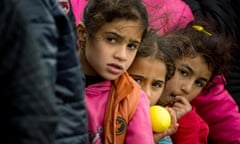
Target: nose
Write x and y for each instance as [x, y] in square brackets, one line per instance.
[147, 90]
[121, 52]
[186, 87]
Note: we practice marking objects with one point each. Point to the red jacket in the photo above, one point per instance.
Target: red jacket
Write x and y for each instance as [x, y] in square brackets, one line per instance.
[192, 129]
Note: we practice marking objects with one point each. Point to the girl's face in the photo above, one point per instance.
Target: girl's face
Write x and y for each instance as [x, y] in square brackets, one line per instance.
[111, 51]
[150, 74]
[191, 75]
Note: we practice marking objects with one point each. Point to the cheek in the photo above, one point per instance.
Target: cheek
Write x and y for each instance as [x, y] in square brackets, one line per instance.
[194, 94]
[94, 54]
[160, 91]
[130, 58]
[93, 57]
[171, 85]
[174, 82]
[156, 96]
[96, 48]
[89, 51]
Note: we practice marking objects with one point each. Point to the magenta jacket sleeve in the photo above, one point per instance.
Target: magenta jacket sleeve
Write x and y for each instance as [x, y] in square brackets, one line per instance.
[139, 129]
[78, 8]
[221, 113]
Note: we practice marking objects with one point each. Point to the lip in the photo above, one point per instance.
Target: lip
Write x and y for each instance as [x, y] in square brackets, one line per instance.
[115, 68]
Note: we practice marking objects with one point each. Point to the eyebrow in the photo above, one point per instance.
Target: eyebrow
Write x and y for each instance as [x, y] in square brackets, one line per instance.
[121, 37]
[188, 67]
[136, 75]
[160, 81]
[139, 76]
[192, 72]
[204, 79]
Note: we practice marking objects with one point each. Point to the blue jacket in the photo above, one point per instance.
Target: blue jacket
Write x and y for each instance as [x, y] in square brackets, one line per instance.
[28, 112]
[55, 35]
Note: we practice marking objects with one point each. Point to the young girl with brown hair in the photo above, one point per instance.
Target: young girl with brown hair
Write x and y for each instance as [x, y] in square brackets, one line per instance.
[197, 62]
[109, 38]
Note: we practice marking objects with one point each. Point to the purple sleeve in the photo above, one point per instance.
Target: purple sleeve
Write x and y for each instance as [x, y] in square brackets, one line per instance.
[139, 129]
[221, 113]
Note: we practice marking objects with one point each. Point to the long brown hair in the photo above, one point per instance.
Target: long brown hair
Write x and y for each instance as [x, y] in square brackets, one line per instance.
[156, 47]
[99, 12]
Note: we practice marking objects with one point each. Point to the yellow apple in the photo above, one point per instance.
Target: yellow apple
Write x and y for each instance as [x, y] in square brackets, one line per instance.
[160, 118]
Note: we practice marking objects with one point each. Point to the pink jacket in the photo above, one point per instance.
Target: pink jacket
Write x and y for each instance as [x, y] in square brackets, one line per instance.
[221, 113]
[139, 128]
[78, 8]
[167, 15]
[163, 14]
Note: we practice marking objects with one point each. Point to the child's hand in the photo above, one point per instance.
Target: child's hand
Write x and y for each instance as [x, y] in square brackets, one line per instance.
[181, 106]
[171, 130]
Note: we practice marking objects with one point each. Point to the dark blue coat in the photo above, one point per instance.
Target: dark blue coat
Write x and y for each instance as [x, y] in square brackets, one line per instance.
[28, 113]
[55, 35]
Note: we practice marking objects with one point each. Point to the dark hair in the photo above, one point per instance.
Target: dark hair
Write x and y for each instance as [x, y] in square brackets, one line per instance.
[156, 47]
[179, 45]
[215, 49]
[98, 12]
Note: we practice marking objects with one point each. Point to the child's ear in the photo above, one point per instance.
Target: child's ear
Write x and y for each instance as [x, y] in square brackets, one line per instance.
[81, 33]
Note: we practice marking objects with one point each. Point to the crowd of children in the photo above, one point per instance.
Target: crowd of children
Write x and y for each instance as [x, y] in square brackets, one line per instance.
[98, 65]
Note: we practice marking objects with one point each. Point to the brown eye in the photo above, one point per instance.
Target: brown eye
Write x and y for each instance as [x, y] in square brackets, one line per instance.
[157, 84]
[183, 72]
[111, 40]
[137, 79]
[132, 46]
[199, 84]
